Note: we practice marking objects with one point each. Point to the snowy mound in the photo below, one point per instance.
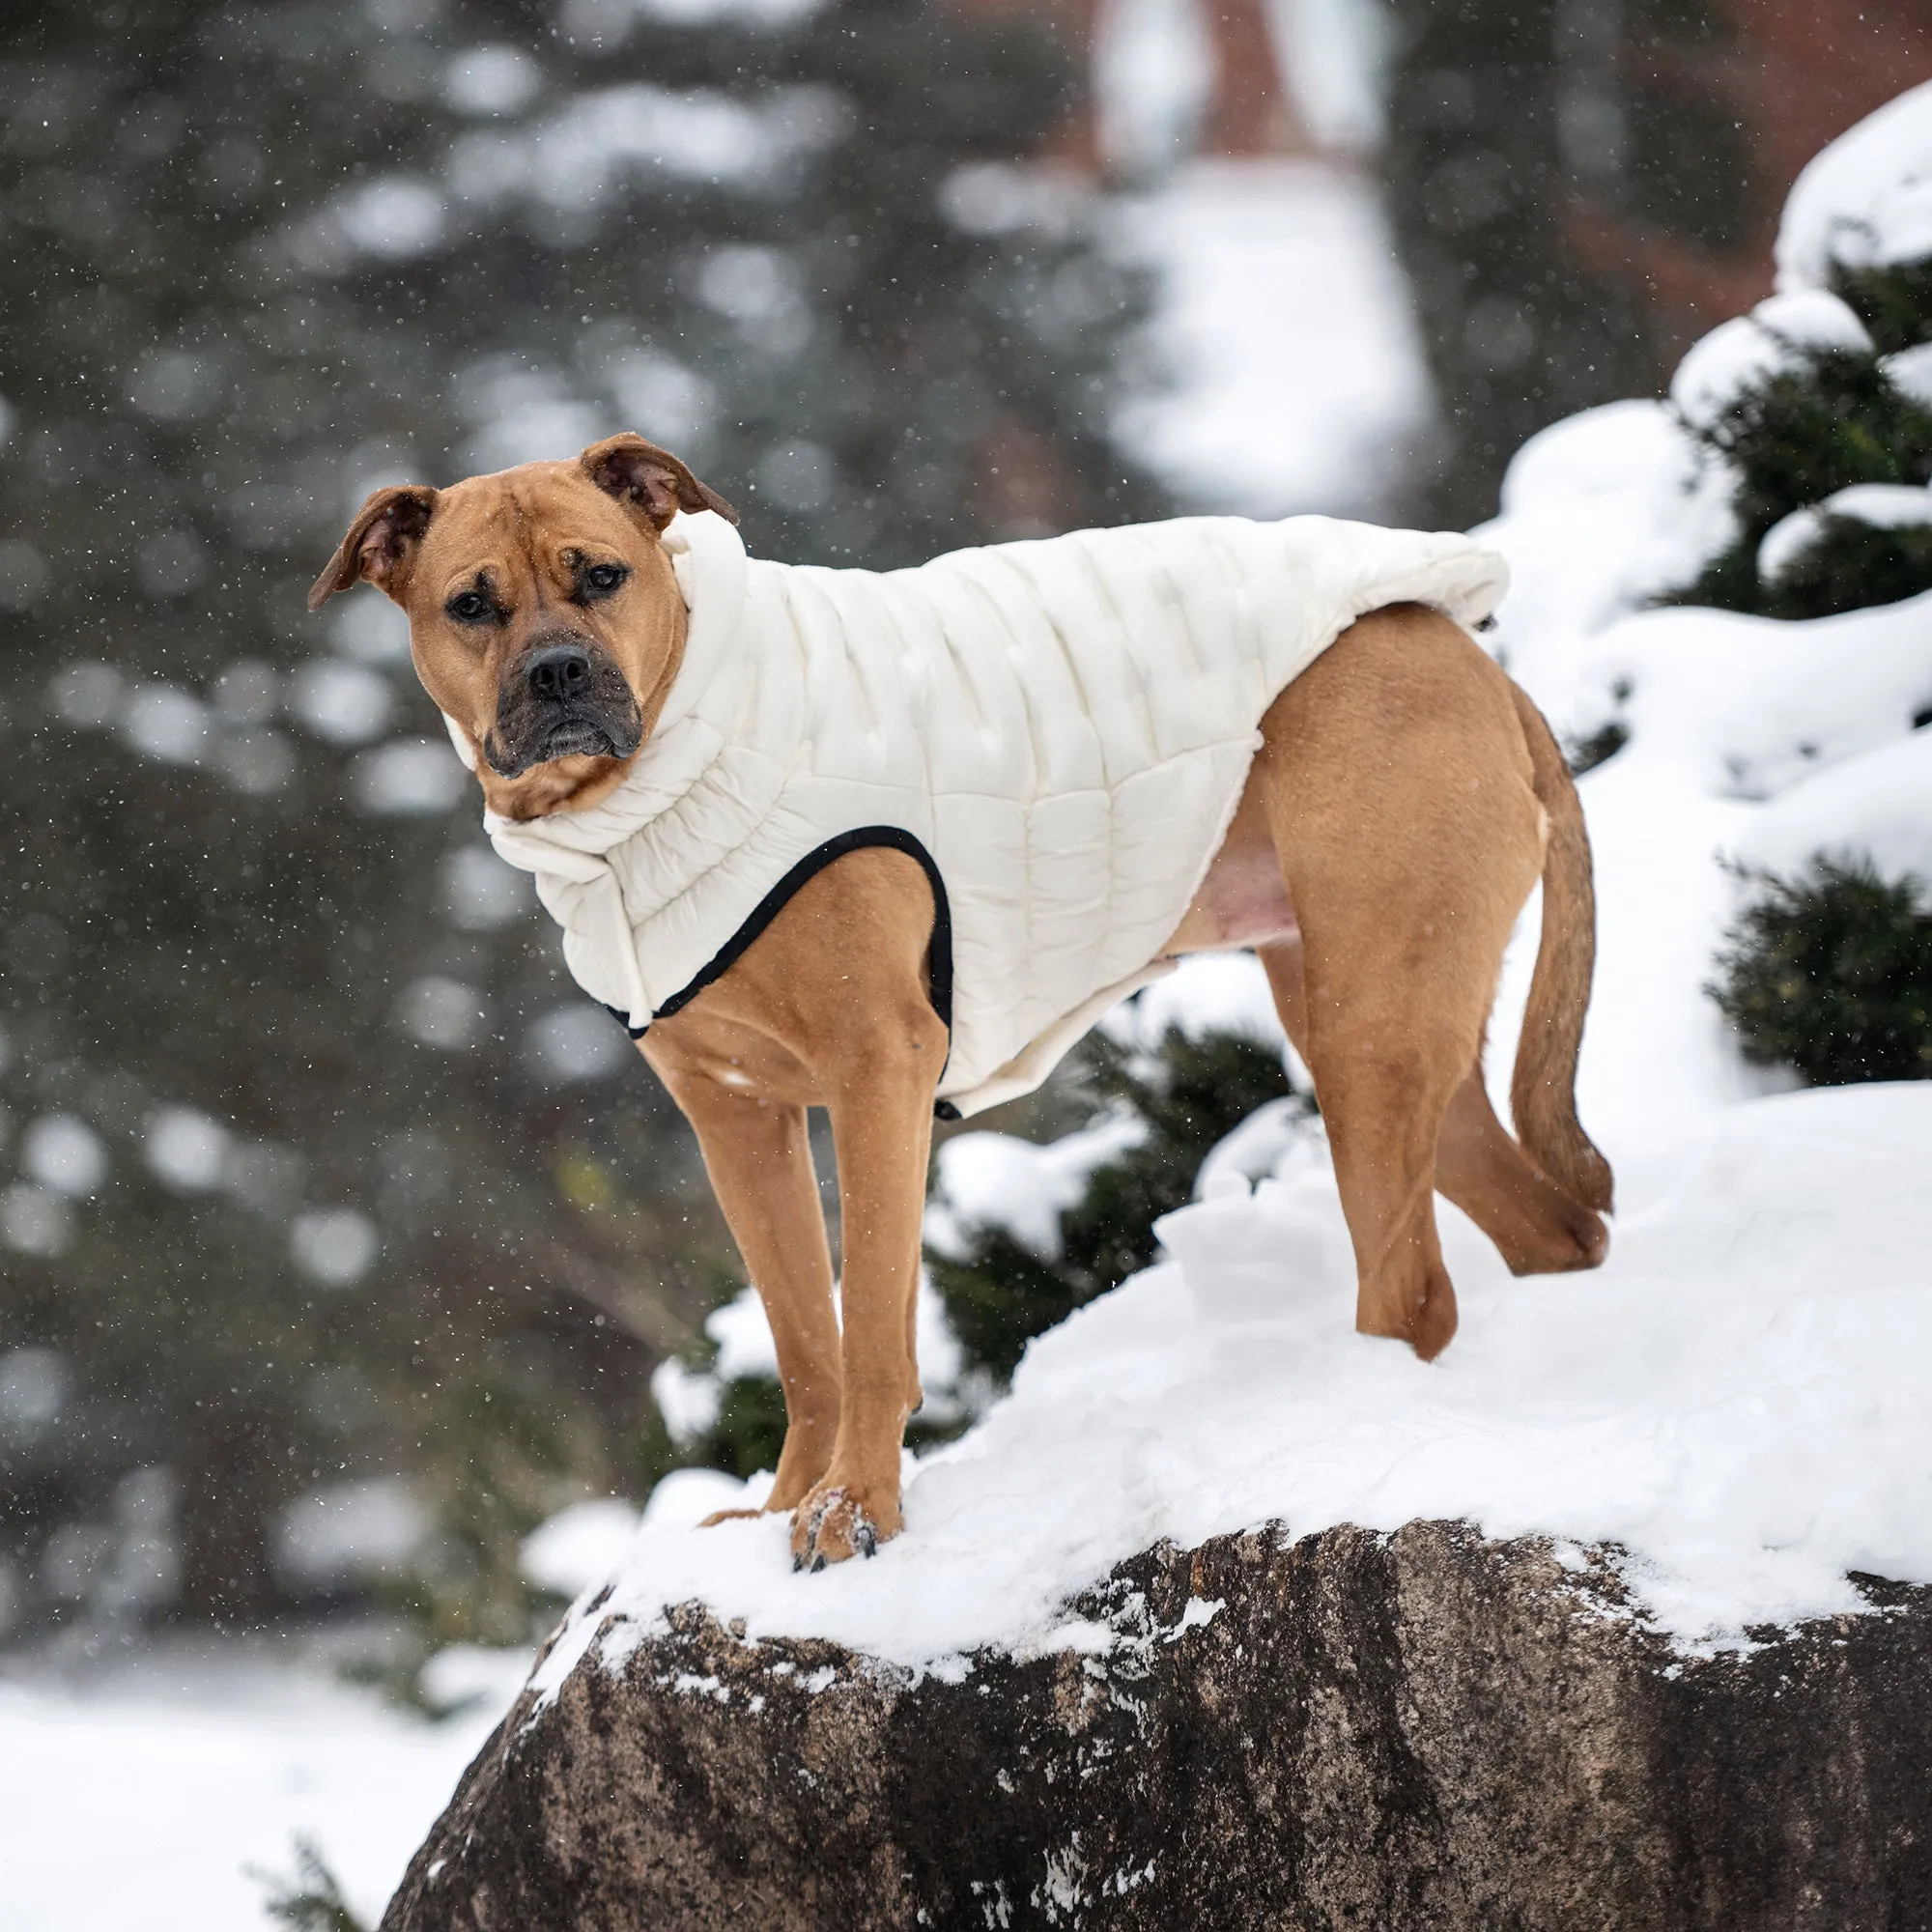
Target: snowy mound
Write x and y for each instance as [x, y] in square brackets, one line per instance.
[1736, 1397]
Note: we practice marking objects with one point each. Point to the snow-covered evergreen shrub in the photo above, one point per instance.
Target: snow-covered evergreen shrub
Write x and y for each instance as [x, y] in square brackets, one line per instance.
[1814, 416]
[1827, 416]
[1004, 1282]
[1831, 974]
[1894, 299]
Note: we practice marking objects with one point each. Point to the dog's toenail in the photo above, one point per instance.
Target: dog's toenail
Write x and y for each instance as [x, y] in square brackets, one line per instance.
[818, 1564]
[797, 1564]
[866, 1538]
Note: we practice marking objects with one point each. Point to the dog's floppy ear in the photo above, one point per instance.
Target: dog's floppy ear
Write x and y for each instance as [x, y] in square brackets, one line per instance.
[635, 472]
[379, 545]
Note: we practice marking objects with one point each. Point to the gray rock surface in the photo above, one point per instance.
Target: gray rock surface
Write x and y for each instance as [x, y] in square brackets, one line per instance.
[1423, 1730]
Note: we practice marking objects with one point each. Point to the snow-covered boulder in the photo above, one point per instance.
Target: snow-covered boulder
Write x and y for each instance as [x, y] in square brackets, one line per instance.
[1421, 1732]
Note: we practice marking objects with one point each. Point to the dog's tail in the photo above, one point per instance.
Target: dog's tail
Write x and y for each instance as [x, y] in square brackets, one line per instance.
[1543, 1091]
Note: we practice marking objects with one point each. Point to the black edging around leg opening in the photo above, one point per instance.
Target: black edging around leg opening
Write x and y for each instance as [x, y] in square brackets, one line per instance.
[939, 956]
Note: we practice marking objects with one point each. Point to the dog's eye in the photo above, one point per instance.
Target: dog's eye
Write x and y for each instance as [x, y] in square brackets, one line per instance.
[471, 606]
[602, 579]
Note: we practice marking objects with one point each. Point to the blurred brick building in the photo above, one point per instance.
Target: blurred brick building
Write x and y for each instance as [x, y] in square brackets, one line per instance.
[1754, 91]
[1684, 121]
[1577, 189]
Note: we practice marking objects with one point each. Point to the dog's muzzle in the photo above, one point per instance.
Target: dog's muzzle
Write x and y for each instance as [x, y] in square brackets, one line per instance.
[564, 698]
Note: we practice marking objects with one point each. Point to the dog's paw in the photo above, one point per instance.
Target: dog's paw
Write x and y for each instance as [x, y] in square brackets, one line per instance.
[835, 1522]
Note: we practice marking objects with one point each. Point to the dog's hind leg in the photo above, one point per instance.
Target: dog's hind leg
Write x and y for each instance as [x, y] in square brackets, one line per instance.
[1398, 794]
[1538, 1229]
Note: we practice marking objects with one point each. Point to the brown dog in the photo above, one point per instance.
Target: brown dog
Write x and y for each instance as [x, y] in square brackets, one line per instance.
[1406, 799]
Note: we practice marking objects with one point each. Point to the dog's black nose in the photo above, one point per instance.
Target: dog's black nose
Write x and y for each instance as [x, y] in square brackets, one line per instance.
[562, 670]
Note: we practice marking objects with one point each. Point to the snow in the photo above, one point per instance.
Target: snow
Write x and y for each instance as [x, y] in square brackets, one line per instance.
[1865, 199]
[1154, 79]
[354, 1531]
[1600, 512]
[1735, 1396]
[186, 1149]
[1336, 55]
[64, 1155]
[575, 1042]
[1734, 1400]
[1297, 380]
[998, 1180]
[35, 1222]
[1909, 370]
[480, 893]
[1815, 319]
[1888, 507]
[396, 218]
[1752, 347]
[704, 12]
[334, 1246]
[1208, 993]
[1879, 806]
[165, 1783]
[409, 778]
[579, 1547]
[490, 80]
[689, 1399]
[743, 1337]
[342, 701]
[573, 158]
[164, 721]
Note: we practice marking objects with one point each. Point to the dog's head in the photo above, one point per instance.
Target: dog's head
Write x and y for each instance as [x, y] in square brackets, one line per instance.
[544, 617]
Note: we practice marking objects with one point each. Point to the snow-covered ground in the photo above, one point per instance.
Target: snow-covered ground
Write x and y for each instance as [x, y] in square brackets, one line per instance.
[1285, 326]
[144, 1795]
[1737, 1396]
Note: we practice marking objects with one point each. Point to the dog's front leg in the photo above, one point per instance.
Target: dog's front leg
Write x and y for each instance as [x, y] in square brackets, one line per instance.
[758, 1157]
[880, 1097]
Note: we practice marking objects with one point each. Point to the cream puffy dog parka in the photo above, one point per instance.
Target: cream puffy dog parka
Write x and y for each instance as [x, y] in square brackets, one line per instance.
[1058, 731]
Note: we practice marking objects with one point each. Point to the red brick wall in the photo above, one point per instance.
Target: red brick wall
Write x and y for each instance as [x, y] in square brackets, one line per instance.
[1798, 73]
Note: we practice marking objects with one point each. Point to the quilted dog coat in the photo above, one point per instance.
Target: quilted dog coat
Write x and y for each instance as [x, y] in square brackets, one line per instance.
[1058, 731]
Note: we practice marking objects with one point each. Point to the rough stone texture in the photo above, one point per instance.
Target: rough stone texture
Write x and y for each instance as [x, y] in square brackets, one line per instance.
[1418, 1731]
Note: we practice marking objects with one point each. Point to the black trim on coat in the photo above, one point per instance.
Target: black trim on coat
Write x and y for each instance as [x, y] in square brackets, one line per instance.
[893, 838]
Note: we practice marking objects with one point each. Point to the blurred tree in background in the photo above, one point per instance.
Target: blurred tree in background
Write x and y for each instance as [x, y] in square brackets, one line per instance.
[321, 1168]
[1580, 189]
[1501, 113]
